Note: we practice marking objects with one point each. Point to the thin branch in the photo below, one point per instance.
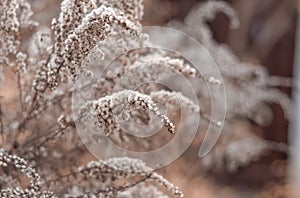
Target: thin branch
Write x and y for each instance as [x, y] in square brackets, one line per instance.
[2, 125]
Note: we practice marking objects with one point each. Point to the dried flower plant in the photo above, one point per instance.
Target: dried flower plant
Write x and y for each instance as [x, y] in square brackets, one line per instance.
[42, 129]
[249, 90]
[105, 109]
[50, 61]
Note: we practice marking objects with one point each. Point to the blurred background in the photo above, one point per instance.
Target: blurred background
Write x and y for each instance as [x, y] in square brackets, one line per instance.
[266, 36]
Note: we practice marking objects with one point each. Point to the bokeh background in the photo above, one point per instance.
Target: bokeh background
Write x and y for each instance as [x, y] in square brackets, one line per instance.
[266, 36]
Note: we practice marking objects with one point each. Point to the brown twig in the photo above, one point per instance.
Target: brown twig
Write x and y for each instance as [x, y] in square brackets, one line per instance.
[2, 124]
